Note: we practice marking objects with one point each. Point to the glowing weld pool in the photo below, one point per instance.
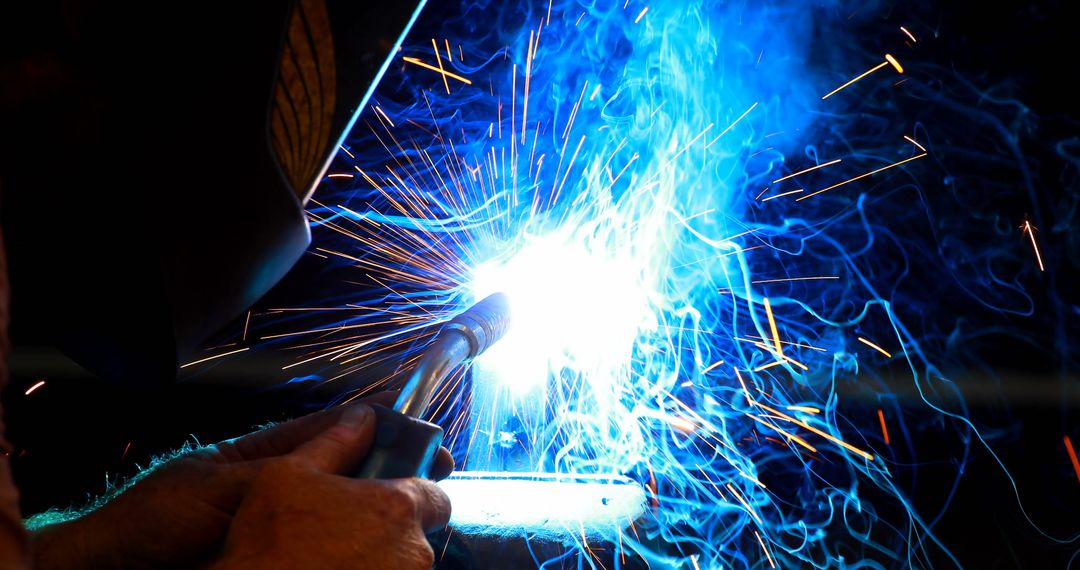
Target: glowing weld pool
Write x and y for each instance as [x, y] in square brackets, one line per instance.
[501, 503]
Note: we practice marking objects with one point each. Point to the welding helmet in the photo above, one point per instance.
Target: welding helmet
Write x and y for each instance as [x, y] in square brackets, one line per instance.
[155, 160]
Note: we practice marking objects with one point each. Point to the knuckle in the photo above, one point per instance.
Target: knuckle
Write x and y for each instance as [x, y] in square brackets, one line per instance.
[398, 502]
[420, 554]
[425, 556]
[280, 468]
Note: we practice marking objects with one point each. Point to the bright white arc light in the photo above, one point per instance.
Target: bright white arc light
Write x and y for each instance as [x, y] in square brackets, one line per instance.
[572, 308]
[543, 504]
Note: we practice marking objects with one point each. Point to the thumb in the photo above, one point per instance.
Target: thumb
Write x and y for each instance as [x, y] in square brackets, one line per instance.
[341, 446]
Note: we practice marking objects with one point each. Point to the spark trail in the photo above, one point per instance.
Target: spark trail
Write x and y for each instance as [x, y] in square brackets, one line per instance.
[603, 165]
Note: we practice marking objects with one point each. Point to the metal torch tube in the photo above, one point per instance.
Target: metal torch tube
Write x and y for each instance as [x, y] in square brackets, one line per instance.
[465, 337]
[446, 353]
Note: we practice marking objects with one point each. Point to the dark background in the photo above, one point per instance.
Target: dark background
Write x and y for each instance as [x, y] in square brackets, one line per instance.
[75, 431]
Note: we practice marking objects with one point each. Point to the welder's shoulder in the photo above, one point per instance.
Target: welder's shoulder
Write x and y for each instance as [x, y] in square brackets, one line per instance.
[13, 538]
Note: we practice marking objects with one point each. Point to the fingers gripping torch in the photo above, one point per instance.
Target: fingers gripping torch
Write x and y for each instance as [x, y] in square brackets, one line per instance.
[405, 445]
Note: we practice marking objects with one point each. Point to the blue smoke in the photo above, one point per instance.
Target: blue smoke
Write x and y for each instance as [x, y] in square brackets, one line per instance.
[632, 163]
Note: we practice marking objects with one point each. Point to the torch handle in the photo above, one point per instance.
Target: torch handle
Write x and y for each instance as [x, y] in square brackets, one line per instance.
[404, 446]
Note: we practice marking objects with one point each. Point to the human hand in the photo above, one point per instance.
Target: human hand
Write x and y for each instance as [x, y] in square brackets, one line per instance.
[178, 515]
[299, 514]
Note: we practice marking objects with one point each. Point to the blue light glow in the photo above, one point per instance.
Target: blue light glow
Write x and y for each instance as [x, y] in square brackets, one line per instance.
[665, 196]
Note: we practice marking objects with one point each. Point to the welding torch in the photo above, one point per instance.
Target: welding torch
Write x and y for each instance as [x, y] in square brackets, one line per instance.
[405, 445]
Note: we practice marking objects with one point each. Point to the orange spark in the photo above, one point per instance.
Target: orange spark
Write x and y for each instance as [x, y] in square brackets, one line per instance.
[247, 321]
[445, 73]
[908, 34]
[1031, 233]
[216, 356]
[31, 389]
[889, 60]
[884, 428]
[438, 60]
[875, 347]
[1072, 456]
[861, 176]
[744, 503]
[912, 141]
[811, 169]
[732, 125]
[769, 365]
[896, 64]
[772, 326]
[806, 409]
[767, 555]
[826, 435]
[682, 424]
[789, 193]
[712, 366]
[762, 281]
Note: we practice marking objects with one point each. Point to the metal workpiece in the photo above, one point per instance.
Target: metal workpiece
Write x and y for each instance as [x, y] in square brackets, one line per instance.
[465, 337]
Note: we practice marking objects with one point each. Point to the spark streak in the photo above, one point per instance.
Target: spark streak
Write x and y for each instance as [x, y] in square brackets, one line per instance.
[1072, 456]
[34, 388]
[215, 357]
[875, 347]
[861, 176]
[805, 170]
[438, 70]
[614, 234]
[889, 60]
[1034, 246]
[884, 428]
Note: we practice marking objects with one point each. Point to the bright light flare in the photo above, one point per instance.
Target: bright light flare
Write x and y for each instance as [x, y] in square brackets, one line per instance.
[575, 306]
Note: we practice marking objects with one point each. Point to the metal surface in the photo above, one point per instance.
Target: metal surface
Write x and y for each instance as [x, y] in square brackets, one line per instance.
[465, 337]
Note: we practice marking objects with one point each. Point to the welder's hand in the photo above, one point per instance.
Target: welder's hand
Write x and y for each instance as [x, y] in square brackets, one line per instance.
[178, 515]
[298, 514]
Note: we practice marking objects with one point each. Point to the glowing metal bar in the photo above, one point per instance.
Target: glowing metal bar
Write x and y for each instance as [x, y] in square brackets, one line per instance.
[548, 504]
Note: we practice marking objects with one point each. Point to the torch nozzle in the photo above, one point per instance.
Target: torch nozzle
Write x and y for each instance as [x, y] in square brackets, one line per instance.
[465, 337]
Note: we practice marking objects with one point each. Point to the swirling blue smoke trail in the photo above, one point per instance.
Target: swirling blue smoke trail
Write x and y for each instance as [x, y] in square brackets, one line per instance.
[663, 192]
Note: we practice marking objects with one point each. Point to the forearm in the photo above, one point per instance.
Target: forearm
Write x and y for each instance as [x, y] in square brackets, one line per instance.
[75, 544]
